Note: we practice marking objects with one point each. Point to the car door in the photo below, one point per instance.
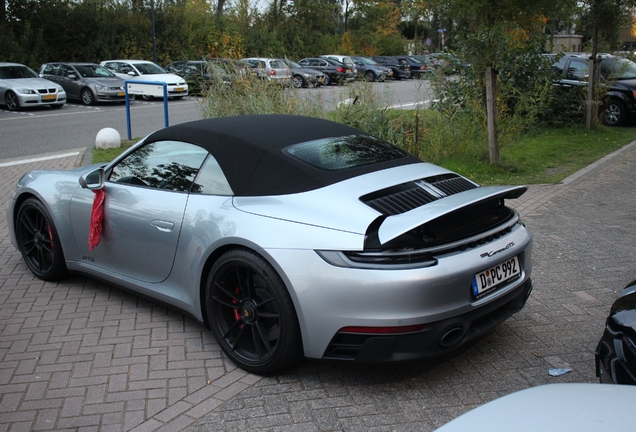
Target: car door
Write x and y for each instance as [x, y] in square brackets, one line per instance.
[71, 81]
[145, 198]
[577, 73]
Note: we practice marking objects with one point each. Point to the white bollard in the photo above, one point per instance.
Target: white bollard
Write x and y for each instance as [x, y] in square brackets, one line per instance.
[108, 138]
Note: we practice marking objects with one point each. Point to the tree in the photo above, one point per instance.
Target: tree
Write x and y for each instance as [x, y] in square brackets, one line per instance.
[486, 28]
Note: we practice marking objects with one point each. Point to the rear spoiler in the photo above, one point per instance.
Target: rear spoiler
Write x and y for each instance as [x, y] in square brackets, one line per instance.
[392, 227]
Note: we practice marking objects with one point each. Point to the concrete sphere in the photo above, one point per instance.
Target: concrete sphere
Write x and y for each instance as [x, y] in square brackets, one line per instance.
[108, 138]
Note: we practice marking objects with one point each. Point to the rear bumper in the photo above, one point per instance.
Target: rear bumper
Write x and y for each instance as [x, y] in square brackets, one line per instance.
[435, 339]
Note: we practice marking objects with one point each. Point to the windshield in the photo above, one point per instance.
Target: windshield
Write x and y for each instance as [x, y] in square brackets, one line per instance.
[93, 71]
[339, 153]
[366, 61]
[149, 69]
[17, 72]
[618, 68]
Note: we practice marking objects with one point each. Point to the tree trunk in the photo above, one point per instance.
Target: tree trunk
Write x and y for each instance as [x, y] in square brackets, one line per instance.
[591, 104]
[219, 8]
[491, 111]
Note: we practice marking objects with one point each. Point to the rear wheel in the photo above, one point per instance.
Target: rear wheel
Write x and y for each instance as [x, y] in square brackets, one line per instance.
[252, 314]
[11, 101]
[327, 80]
[39, 242]
[369, 76]
[87, 97]
[298, 81]
[614, 113]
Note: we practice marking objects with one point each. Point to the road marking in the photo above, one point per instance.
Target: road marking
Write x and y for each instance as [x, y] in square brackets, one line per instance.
[426, 102]
[26, 161]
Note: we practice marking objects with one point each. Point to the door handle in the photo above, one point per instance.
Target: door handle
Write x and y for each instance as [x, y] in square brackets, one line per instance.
[162, 225]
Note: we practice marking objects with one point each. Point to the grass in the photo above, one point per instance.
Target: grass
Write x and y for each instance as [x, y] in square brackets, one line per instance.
[547, 156]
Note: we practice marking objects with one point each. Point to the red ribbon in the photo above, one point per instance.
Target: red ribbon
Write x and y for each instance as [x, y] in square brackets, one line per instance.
[97, 219]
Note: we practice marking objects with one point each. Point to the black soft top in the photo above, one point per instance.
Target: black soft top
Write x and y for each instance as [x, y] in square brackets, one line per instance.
[249, 150]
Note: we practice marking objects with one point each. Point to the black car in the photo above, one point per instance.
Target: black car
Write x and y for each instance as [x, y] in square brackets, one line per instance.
[618, 75]
[400, 69]
[616, 352]
[199, 74]
[335, 72]
[416, 68]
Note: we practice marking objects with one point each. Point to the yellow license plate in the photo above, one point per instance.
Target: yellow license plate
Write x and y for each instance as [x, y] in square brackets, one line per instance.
[49, 97]
[121, 94]
[321, 79]
[179, 89]
[389, 73]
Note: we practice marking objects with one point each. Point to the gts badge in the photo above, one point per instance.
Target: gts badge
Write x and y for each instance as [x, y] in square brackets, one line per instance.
[495, 252]
[87, 258]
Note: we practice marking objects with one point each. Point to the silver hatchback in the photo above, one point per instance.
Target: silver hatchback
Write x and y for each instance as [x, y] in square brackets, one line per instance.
[87, 82]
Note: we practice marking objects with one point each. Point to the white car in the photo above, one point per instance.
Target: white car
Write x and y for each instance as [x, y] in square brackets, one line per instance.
[142, 70]
[21, 87]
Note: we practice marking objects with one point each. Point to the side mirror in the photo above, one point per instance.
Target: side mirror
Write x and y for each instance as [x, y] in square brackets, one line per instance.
[93, 180]
[132, 73]
[72, 76]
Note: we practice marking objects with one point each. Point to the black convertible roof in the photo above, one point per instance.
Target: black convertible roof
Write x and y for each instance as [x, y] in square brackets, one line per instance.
[249, 150]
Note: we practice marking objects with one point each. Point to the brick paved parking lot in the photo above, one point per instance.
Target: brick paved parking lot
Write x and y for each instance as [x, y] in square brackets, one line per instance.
[83, 355]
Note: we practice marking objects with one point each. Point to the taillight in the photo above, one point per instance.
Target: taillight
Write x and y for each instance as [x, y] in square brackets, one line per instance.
[272, 72]
[341, 70]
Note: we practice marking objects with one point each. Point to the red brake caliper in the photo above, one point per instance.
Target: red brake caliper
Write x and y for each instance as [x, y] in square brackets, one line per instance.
[48, 228]
[237, 314]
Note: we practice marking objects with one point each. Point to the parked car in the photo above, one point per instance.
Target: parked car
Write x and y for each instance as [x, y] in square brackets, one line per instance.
[305, 76]
[200, 74]
[86, 82]
[618, 75]
[416, 68]
[335, 72]
[560, 407]
[21, 87]
[370, 70]
[345, 60]
[400, 69]
[289, 236]
[142, 70]
[616, 351]
[270, 68]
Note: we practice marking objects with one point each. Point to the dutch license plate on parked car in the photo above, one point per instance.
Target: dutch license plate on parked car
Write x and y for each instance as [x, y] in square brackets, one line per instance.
[121, 94]
[49, 97]
[178, 89]
[496, 275]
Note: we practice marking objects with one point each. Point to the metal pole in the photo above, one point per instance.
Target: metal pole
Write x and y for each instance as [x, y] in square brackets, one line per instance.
[154, 38]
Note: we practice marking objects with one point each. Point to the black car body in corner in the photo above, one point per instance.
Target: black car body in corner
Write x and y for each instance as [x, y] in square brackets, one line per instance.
[618, 76]
[400, 68]
[616, 351]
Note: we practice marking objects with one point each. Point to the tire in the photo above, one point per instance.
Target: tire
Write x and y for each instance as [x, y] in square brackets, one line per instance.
[614, 113]
[369, 76]
[298, 81]
[251, 313]
[39, 242]
[11, 101]
[178, 97]
[327, 80]
[87, 97]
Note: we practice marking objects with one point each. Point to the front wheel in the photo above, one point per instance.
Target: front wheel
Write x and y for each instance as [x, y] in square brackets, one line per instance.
[614, 113]
[252, 314]
[369, 76]
[87, 97]
[327, 80]
[298, 81]
[39, 242]
[11, 101]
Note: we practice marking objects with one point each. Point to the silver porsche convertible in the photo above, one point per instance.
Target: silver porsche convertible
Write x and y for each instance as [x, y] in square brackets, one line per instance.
[287, 236]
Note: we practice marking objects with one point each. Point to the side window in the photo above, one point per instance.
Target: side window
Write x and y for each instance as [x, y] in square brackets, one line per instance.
[51, 69]
[125, 68]
[169, 165]
[578, 70]
[67, 71]
[211, 179]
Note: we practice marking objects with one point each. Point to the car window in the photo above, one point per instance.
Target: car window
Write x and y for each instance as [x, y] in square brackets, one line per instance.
[170, 165]
[211, 179]
[149, 69]
[51, 69]
[618, 68]
[578, 70]
[278, 64]
[16, 72]
[125, 68]
[93, 71]
[67, 71]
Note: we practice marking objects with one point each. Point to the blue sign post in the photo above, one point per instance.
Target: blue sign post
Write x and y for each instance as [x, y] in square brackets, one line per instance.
[148, 88]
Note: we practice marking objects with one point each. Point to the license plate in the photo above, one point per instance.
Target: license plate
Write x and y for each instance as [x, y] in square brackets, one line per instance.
[496, 275]
[389, 73]
[49, 97]
[178, 89]
[121, 94]
[321, 79]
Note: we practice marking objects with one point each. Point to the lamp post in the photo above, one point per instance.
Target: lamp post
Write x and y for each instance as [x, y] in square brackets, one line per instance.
[154, 38]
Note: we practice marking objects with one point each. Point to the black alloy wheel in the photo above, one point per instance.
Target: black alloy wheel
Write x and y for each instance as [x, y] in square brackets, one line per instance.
[11, 101]
[87, 97]
[614, 113]
[252, 314]
[39, 242]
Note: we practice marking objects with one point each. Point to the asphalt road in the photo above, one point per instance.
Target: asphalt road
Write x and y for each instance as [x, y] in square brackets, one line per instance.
[43, 130]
